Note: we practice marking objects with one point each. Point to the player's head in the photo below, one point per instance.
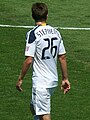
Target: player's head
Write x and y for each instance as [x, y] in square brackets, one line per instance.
[39, 12]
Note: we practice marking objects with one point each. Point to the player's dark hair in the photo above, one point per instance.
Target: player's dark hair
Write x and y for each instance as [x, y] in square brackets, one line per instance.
[39, 12]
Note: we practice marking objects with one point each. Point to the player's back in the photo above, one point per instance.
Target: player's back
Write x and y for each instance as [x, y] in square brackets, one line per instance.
[46, 40]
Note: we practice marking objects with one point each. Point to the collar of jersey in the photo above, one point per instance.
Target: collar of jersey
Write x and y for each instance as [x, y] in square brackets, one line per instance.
[44, 24]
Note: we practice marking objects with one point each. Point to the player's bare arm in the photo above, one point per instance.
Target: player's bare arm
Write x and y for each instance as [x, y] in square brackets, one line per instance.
[25, 67]
[65, 85]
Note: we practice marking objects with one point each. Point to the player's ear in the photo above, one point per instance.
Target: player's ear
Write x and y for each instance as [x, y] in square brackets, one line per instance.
[47, 15]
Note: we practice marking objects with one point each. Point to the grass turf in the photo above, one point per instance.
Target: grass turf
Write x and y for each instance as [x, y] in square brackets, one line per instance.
[66, 13]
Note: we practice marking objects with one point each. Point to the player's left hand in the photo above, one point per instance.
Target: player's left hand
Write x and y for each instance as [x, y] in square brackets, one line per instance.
[19, 84]
[65, 86]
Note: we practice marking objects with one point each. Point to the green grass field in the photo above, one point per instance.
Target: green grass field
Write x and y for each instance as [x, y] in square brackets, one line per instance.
[63, 13]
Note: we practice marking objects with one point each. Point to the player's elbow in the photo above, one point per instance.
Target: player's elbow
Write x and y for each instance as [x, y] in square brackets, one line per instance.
[29, 60]
[62, 57]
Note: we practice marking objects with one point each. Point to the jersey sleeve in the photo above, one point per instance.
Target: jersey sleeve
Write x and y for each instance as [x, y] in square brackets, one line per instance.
[61, 48]
[30, 44]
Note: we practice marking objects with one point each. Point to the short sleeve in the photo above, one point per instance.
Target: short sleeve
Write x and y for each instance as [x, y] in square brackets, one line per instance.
[61, 48]
[30, 44]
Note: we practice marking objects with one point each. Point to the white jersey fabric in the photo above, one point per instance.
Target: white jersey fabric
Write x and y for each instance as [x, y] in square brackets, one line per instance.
[44, 43]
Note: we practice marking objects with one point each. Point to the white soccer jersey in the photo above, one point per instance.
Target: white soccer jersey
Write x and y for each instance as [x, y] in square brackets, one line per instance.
[44, 43]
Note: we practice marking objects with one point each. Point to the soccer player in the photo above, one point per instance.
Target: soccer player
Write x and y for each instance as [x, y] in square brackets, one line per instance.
[44, 45]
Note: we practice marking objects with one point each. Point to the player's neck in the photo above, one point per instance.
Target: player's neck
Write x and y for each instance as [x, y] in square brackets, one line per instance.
[41, 23]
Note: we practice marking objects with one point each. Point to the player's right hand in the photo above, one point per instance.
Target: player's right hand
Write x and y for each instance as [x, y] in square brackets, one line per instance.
[18, 85]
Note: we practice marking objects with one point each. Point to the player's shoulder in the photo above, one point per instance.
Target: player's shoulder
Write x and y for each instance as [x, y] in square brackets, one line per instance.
[30, 35]
[56, 31]
[55, 28]
[32, 30]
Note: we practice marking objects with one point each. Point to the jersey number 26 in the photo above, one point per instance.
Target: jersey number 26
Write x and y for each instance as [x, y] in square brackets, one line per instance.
[53, 48]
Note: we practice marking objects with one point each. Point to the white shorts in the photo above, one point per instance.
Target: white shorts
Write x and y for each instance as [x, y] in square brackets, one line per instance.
[41, 100]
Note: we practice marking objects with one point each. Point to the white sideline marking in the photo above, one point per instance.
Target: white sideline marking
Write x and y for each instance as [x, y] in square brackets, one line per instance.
[14, 26]
[63, 28]
[71, 28]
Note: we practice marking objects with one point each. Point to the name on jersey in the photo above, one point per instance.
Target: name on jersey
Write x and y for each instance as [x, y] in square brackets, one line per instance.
[42, 32]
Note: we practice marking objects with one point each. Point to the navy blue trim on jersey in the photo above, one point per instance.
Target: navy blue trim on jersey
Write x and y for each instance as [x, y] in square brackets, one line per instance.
[32, 36]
